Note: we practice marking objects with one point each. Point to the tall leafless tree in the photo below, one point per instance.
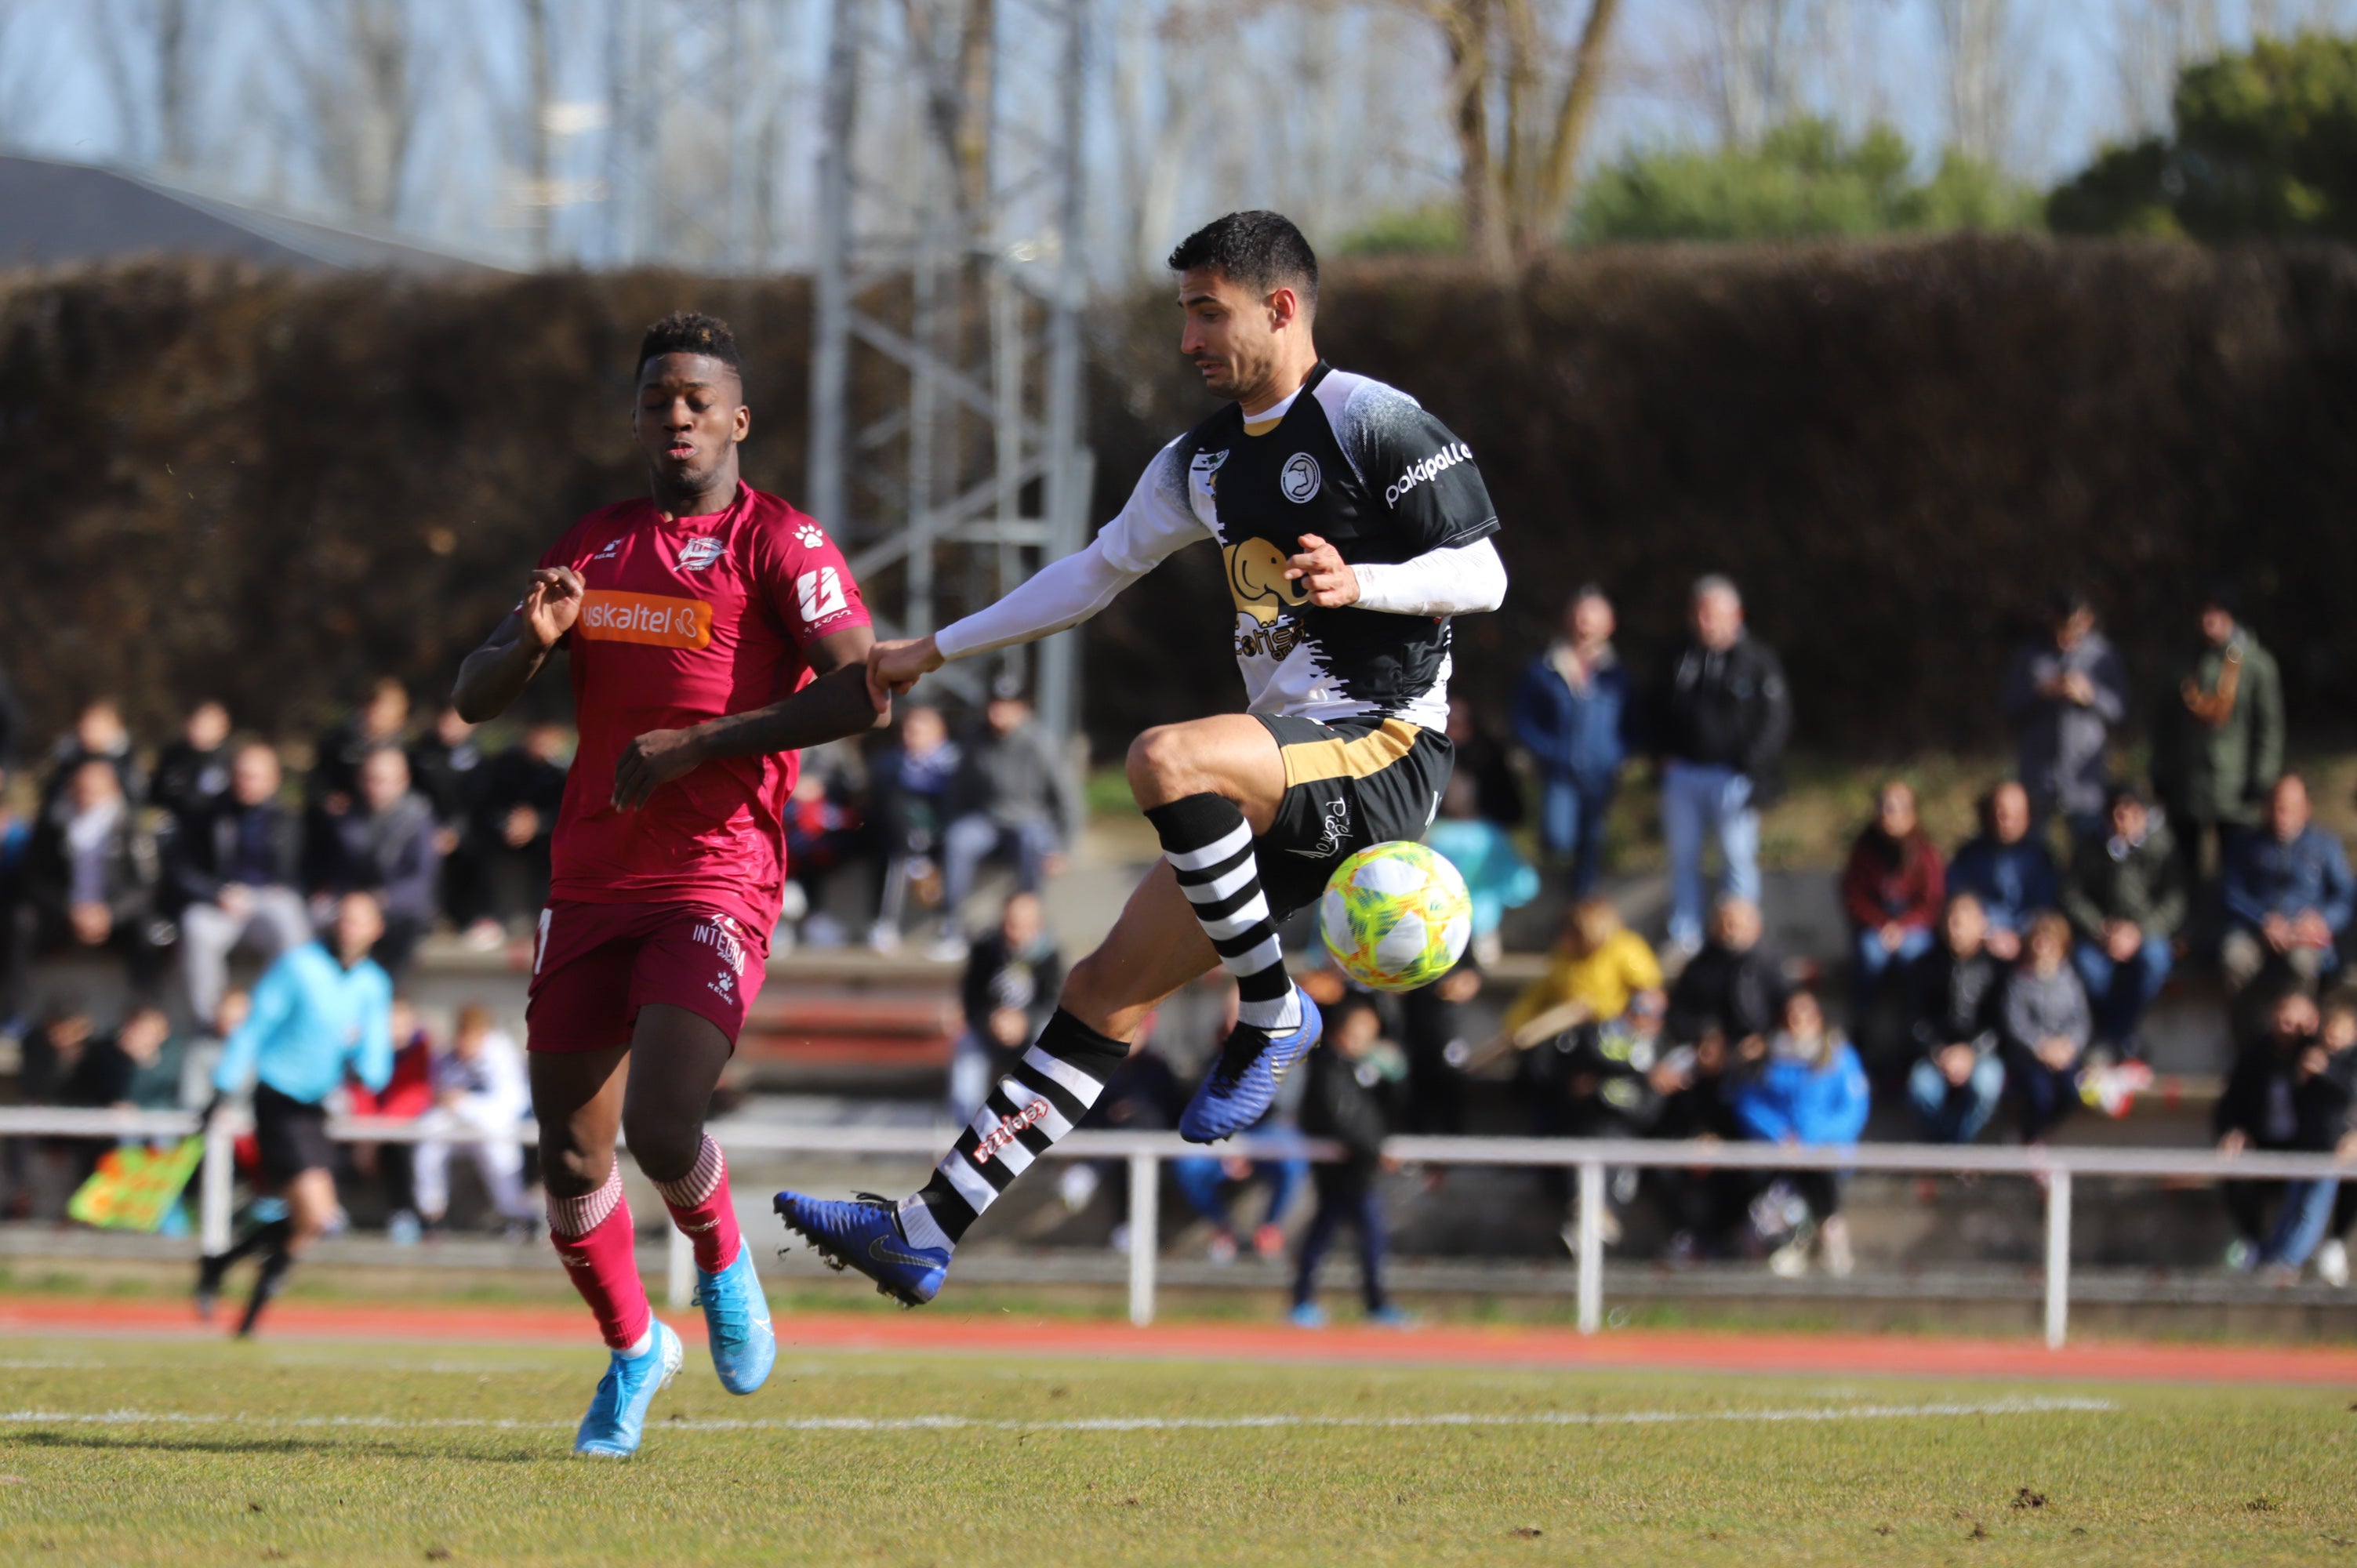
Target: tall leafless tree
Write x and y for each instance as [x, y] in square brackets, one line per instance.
[1976, 42]
[1523, 104]
[359, 72]
[151, 54]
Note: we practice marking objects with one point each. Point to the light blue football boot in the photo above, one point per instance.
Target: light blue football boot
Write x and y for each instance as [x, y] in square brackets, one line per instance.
[736, 1319]
[618, 1412]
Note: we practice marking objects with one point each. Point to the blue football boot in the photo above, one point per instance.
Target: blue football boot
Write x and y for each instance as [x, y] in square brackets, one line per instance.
[618, 1412]
[865, 1234]
[736, 1320]
[1238, 1092]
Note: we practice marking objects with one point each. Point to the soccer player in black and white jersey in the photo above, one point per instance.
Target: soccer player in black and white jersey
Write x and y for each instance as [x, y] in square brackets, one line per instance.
[1353, 525]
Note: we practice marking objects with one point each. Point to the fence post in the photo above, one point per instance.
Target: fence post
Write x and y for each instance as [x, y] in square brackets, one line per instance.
[1145, 1234]
[1591, 1246]
[215, 1180]
[679, 1271]
[2057, 1257]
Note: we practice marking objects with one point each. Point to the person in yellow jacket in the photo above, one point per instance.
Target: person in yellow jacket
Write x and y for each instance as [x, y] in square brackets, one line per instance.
[1599, 964]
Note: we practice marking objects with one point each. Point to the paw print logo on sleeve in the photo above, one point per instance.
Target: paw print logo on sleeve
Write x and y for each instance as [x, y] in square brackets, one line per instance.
[809, 536]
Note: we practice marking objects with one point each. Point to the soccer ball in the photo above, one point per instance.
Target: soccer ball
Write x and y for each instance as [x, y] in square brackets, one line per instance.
[1396, 915]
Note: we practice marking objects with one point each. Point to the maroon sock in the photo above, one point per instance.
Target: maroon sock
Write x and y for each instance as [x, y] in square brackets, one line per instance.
[699, 1206]
[593, 1234]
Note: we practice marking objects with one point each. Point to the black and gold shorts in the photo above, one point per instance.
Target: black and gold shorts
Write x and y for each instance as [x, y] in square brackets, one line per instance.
[1347, 785]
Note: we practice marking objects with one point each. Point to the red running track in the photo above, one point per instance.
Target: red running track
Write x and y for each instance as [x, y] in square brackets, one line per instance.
[1892, 1355]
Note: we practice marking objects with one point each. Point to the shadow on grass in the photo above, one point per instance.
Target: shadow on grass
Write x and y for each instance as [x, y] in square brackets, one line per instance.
[377, 1449]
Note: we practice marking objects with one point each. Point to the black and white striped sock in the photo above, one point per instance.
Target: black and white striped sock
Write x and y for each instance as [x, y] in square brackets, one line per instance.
[1043, 1099]
[1207, 843]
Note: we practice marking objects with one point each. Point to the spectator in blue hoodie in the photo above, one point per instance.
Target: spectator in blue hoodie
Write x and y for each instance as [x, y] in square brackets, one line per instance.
[2288, 894]
[1812, 1090]
[2007, 868]
[1570, 714]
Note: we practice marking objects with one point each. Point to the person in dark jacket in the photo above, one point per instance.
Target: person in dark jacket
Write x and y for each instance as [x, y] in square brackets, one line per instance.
[2218, 735]
[2288, 894]
[515, 815]
[1735, 986]
[447, 768]
[1891, 890]
[2282, 1096]
[379, 722]
[917, 784]
[2007, 868]
[91, 873]
[1572, 713]
[99, 734]
[1724, 717]
[1011, 802]
[1353, 1077]
[1954, 1018]
[385, 845]
[1696, 1085]
[2125, 896]
[1013, 977]
[192, 772]
[1483, 761]
[235, 876]
[2064, 694]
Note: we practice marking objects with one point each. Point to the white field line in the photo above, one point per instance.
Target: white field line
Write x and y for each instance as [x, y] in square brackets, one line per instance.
[1080, 1425]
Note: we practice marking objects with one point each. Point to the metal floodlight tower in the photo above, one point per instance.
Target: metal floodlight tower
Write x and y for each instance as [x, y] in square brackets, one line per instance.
[945, 442]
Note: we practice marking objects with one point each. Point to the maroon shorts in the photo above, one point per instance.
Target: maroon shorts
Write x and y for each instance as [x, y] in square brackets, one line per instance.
[594, 965]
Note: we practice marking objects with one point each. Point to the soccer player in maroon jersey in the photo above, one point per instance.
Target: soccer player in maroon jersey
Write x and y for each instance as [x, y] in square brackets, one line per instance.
[714, 631]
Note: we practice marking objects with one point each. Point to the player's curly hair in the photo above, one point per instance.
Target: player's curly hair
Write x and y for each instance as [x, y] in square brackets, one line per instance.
[1262, 251]
[691, 332]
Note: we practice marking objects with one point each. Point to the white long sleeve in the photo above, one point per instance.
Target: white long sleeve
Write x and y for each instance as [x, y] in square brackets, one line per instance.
[1465, 580]
[1156, 521]
[1062, 594]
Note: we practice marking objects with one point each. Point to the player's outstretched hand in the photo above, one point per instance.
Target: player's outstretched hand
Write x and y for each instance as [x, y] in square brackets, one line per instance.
[551, 604]
[654, 759]
[1323, 574]
[894, 667]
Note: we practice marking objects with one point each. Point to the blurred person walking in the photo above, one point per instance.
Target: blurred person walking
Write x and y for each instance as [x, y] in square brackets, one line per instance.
[236, 873]
[1572, 713]
[324, 1008]
[1355, 1078]
[2064, 694]
[1725, 714]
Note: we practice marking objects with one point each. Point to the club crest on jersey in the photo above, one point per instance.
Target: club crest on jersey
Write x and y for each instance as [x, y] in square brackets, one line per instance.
[1300, 478]
[697, 554]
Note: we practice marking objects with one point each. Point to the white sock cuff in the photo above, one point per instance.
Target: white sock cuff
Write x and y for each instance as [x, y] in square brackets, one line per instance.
[702, 1180]
[570, 1218]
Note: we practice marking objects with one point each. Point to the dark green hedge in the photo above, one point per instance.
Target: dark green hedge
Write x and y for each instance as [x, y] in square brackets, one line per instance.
[275, 489]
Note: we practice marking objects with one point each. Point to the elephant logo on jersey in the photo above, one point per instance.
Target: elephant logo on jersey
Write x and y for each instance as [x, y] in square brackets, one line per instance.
[1256, 578]
[1301, 479]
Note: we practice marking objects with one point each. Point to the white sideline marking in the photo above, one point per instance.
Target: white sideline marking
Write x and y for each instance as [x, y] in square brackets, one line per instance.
[1083, 1423]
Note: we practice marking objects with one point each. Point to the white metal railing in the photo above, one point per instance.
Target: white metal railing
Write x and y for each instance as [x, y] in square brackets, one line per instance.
[1144, 1152]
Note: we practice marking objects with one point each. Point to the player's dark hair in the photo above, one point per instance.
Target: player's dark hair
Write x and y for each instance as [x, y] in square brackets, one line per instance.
[690, 332]
[1262, 251]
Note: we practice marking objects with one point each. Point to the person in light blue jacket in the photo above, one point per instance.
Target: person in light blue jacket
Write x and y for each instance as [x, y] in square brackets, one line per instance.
[1811, 1090]
[322, 1010]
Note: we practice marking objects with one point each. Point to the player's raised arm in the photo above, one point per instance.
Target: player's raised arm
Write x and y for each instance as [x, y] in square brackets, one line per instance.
[1156, 521]
[837, 703]
[495, 674]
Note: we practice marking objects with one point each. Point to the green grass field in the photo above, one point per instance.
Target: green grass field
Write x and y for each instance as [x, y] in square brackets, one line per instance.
[130, 1451]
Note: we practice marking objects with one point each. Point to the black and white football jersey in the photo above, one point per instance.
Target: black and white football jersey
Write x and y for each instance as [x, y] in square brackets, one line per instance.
[1360, 465]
